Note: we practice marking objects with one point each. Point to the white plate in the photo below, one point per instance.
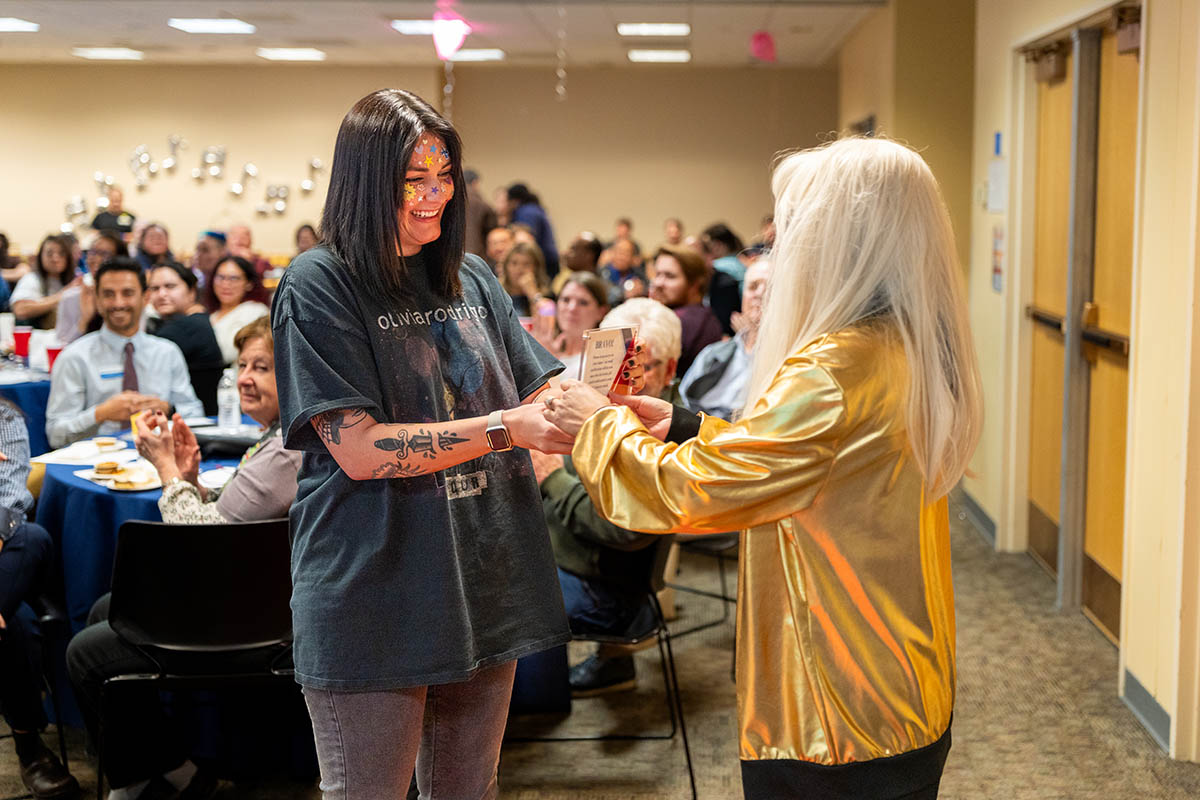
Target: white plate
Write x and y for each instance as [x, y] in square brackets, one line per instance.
[154, 483]
[144, 474]
[198, 422]
[217, 477]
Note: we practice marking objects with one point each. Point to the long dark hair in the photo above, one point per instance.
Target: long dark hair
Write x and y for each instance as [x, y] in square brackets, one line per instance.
[39, 262]
[366, 193]
[247, 270]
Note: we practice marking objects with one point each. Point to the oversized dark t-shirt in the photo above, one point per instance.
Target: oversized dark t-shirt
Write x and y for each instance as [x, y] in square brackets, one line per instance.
[419, 580]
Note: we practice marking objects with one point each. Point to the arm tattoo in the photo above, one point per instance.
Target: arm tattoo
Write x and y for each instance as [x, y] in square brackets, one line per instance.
[330, 424]
[395, 470]
[446, 441]
[403, 444]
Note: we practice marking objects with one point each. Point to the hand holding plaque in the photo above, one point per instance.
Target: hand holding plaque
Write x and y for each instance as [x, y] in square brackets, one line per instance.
[609, 360]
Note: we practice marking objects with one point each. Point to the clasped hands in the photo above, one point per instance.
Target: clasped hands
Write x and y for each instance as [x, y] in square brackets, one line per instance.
[175, 453]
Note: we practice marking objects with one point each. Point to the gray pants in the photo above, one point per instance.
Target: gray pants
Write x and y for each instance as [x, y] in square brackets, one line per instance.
[369, 742]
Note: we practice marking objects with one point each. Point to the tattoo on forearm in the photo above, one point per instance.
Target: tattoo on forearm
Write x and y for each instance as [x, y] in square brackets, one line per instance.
[404, 444]
[447, 441]
[330, 424]
[395, 470]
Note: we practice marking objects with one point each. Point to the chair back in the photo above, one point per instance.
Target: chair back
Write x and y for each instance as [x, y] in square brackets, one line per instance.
[203, 587]
[658, 572]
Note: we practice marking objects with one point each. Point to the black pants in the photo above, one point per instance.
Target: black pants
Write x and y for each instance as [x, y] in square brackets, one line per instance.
[24, 568]
[140, 740]
[909, 776]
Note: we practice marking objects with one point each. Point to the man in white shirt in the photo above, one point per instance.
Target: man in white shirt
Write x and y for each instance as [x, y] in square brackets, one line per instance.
[103, 378]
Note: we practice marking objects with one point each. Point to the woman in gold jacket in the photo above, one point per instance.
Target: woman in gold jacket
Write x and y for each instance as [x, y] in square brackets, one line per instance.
[864, 409]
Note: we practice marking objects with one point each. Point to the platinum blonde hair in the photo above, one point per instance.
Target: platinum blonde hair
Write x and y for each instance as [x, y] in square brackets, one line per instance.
[657, 325]
[861, 229]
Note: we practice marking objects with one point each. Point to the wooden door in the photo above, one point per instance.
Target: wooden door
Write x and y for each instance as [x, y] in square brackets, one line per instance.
[1053, 197]
[1108, 319]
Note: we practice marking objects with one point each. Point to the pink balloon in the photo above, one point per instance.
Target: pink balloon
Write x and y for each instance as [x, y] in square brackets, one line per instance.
[762, 46]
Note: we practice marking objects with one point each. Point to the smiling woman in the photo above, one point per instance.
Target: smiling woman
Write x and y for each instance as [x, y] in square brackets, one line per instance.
[407, 380]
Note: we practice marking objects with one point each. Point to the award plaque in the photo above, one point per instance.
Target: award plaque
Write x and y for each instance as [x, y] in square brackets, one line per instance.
[604, 353]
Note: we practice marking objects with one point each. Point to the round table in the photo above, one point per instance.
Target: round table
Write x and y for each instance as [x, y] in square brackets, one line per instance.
[83, 518]
[31, 397]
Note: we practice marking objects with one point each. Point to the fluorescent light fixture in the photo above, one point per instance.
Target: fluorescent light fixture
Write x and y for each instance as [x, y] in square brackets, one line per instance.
[194, 25]
[661, 56]
[483, 54]
[413, 27]
[290, 53]
[14, 25]
[108, 53]
[654, 29]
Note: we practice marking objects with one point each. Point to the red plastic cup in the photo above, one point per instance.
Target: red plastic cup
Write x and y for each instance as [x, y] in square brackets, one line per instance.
[21, 334]
[526, 323]
[51, 354]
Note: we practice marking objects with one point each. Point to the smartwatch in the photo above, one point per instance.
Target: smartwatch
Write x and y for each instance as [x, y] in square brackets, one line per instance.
[497, 435]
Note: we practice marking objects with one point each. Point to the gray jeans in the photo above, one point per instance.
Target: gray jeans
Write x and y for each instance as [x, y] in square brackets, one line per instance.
[369, 742]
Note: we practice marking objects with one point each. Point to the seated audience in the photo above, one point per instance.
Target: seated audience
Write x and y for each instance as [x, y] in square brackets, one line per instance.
[35, 299]
[241, 243]
[582, 256]
[264, 485]
[184, 321]
[719, 246]
[77, 309]
[581, 305]
[499, 242]
[673, 231]
[481, 217]
[103, 378]
[680, 278]
[145, 753]
[153, 247]
[115, 217]
[604, 569]
[12, 266]
[210, 251]
[623, 232]
[716, 382]
[525, 208]
[26, 552]
[621, 263]
[306, 238]
[523, 275]
[229, 296]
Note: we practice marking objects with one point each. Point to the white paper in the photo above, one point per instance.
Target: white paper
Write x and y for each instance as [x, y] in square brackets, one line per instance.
[997, 186]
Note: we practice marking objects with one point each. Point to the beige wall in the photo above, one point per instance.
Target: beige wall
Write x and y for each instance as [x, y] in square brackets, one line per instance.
[910, 64]
[1162, 525]
[62, 123]
[867, 71]
[648, 143]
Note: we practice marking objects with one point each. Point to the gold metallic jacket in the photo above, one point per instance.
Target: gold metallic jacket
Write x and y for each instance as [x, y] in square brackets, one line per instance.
[845, 646]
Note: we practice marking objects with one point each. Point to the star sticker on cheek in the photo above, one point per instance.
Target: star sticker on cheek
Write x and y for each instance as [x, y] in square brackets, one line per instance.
[410, 193]
[434, 190]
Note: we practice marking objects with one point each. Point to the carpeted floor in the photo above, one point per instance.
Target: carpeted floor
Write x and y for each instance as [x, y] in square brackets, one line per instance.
[1037, 714]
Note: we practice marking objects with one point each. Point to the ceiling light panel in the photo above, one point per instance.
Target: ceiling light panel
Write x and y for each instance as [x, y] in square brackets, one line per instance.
[14, 25]
[290, 53]
[654, 29]
[660, 56]
[413, 27]
[219, 26]
[108, 53]
[481, 54]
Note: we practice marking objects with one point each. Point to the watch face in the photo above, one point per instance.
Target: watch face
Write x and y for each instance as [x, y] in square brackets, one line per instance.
[498, 439]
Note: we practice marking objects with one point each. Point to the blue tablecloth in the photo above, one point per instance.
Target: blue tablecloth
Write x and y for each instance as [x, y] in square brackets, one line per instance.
[83, 519]
[31, 398]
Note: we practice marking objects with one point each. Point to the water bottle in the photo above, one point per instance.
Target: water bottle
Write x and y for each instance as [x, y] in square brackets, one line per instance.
[229, 407]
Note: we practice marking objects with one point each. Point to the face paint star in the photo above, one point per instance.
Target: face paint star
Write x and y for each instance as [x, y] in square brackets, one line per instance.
[434, 190]
[429, 161]
[409, 192]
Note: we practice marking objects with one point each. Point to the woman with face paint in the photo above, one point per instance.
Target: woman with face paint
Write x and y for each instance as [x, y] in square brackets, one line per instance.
[421, 564]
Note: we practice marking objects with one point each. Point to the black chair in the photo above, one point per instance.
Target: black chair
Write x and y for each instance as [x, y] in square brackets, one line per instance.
[53, 626]
[636, 640]
[722, 547]
[208, 605]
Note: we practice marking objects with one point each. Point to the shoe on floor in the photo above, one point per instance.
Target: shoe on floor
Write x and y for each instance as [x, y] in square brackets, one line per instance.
[46, 777]
[602, 675]
[203, 786]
